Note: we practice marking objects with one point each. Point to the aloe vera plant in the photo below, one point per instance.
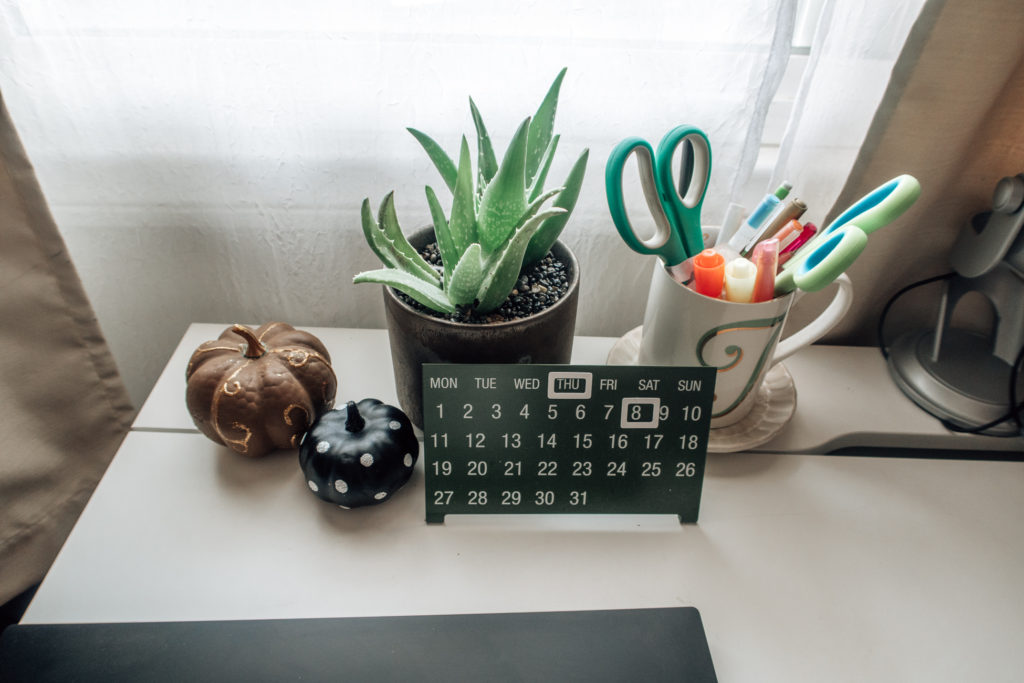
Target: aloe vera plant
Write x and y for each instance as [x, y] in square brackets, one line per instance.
[500, 220]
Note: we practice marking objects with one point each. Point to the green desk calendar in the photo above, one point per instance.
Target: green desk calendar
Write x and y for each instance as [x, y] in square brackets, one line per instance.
[576, 439]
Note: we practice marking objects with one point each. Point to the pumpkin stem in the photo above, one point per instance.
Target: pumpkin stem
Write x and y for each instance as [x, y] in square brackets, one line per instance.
[354, 422]
[253, 346]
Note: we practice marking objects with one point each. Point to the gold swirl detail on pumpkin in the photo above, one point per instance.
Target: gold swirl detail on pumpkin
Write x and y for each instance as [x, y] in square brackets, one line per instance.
[215, 409]
[240, 445]
[735, 353]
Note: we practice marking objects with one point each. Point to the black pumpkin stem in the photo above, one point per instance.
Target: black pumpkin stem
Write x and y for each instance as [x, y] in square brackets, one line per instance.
[254, 348]
[354, 422]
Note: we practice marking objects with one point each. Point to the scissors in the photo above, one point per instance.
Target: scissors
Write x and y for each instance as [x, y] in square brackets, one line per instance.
[676, 213]
[821, 260]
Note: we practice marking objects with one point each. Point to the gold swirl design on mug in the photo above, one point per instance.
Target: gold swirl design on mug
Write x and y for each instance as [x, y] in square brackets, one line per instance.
[736, 353]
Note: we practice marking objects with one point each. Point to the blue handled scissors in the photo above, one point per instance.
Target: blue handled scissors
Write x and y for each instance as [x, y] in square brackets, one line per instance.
[821, 260]
[676, 213]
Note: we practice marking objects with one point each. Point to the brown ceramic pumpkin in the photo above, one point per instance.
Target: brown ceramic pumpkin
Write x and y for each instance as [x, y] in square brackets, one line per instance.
[257, 391]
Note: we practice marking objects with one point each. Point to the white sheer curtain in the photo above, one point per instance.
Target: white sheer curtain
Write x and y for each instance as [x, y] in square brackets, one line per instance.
[206, 161]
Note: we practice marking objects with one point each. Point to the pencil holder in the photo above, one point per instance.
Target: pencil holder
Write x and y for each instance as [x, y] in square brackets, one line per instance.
[740, 340]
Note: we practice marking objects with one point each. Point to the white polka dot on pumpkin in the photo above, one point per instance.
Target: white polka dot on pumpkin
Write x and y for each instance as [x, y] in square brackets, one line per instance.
[323, 447]
[341, 486]
[395, 424]
[312, 486]
[366, 459]
[408, 460]
[381, 496]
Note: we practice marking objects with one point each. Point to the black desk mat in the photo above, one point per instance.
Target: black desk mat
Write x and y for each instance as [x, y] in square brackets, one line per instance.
[666, 644]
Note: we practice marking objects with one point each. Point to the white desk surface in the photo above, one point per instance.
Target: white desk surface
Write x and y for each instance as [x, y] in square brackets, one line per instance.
[845, 397]
[804, 567]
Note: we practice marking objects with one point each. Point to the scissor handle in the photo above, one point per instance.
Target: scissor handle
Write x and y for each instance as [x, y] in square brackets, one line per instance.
[665, 242]
[881, 206]
[818, 267]
[685, 205]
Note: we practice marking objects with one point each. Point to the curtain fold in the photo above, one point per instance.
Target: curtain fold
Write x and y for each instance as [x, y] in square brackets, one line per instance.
[64, 406]
[951, 117]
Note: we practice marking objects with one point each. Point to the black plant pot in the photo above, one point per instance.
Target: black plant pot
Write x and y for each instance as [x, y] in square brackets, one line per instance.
[417, 338]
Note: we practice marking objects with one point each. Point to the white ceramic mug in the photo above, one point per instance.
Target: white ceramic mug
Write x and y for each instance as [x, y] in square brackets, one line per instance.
[684, 328]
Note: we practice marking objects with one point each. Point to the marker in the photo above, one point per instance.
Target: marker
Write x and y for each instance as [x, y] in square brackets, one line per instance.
[708, 273]
[790, 231]
[766, 259]
[747, 231]
[809, 231]
[739, 280]
[790, 210]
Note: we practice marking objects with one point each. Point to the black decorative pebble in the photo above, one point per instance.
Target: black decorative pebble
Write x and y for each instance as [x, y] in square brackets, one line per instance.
[538, 288]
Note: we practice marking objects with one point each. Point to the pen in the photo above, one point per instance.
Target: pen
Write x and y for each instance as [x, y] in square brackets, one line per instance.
[766, 259]
[708, 273]
[758, 216]
[791, 210]
[809, 231]
[739, 280]
[789, 233]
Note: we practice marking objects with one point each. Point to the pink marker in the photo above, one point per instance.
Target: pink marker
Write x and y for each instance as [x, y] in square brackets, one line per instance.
[766, 259]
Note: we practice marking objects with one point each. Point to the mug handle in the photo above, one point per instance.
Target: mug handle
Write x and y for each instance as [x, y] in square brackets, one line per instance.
[816, 329]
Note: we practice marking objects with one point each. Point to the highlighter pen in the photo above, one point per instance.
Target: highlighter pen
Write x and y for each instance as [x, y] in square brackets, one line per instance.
[758, 216]
[766, 259]
[788, 234]
[708, 273]
[791, 210]
[739, 280]
[809, 231]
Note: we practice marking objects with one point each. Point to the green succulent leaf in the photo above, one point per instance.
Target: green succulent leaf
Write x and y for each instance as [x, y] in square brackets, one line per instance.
[542, 127]
[375, 237]
[504, 266]
[545, 166]
[429, 295]
[445, 241]
[548, 233]
[487, 163]
[442, 162]
[463, 222]
[504, 199]
[467, 276]
[409, 259]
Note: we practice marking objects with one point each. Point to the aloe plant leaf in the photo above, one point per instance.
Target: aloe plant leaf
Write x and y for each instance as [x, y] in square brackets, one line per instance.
[445, 243]
[409, 259]
[463, 223]
[504, 199]
[486, 163]
[548, 233]
[429, 295]
[541, 128]
[375, 237]
[442, 162]
[545, 166]
[467, 276]
[504, 266]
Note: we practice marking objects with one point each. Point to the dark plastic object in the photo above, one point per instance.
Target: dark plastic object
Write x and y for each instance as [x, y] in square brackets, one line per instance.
[647, 645]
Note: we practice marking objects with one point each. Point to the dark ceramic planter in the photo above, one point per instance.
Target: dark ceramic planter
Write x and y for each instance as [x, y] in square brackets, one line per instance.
[416, 338]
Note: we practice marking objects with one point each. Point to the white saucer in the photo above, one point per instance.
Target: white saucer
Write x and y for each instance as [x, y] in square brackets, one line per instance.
[774, 404]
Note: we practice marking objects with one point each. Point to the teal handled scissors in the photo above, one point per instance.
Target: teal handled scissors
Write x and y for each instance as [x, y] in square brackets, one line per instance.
[829, 254]
[676, 212]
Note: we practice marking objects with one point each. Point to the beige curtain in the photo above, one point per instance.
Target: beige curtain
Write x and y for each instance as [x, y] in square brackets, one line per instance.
[63, 408]
[953, 117]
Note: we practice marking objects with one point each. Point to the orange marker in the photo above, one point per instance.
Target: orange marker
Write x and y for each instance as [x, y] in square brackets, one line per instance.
[708, 273]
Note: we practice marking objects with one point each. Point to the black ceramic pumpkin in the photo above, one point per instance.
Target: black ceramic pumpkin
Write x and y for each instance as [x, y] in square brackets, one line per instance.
[360, 454]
